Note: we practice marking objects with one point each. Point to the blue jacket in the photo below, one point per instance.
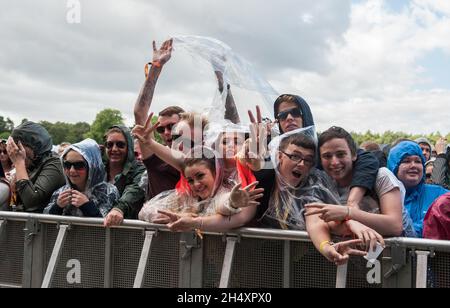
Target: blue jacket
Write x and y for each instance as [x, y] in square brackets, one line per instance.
[418, 199]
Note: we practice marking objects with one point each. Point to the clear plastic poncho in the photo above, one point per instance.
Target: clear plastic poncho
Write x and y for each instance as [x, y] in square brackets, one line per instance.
[101, 193]
[183, 201]
[238, 76]
[287, 201]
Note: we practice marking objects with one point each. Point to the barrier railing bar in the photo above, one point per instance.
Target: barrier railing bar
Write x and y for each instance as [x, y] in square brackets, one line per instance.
[341, 276]
[287, 235]
[139, 279]
[422, 269]
[56, 254]
[228, 262]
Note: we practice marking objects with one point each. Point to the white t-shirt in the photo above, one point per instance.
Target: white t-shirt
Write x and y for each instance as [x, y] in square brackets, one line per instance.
[386, 182]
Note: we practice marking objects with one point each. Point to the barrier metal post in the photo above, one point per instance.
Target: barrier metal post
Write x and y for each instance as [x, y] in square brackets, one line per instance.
[2, 227]
[422, 269]
[191, 261]
[108, 259]
[56, 254]
[139, 279]
[287, 264]
[33, 260]
[228, 262]
[341, 276]
[398, 268]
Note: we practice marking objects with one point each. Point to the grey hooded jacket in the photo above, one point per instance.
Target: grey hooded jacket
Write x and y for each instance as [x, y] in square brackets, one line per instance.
[102, 195]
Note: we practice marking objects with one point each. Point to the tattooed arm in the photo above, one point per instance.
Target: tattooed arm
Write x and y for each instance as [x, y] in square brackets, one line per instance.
[160, 57]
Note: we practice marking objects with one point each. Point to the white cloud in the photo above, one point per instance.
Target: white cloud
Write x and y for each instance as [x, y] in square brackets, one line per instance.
[307, 18]
[375, 76]
[358, 65]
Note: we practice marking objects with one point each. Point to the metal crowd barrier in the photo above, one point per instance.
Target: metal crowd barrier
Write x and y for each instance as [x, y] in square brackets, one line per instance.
[54, 251]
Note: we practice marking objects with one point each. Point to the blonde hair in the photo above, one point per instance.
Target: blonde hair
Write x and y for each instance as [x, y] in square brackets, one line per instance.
[192, 117]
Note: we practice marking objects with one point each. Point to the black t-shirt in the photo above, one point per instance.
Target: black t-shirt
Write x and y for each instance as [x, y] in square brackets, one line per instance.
[161, 176]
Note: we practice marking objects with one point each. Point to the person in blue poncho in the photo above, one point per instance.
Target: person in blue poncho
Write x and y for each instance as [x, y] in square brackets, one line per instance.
[407, 162]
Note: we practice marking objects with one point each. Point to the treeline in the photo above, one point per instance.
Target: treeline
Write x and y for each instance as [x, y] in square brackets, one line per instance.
[66, 132]
[389, 137]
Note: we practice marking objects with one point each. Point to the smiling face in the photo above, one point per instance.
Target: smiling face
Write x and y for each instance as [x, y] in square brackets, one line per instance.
[410, 171]
[74, 170]
[116, 148]
[337, 160]
[292, 169]
[201, 180]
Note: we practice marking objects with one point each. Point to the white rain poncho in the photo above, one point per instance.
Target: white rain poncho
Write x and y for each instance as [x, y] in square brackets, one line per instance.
[287, 203]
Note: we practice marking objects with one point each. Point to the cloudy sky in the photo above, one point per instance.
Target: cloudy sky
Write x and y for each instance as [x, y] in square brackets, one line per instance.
[361, 64]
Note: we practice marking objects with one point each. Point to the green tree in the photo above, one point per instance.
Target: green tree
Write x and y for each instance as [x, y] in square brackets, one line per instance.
[4, 135]
[6, 125]
[104, 120]
[77, 132]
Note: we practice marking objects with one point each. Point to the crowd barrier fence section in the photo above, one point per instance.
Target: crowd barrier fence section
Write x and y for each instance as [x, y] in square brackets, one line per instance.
[69, 252]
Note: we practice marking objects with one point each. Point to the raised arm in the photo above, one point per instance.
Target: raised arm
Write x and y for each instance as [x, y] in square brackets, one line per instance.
[144, 101]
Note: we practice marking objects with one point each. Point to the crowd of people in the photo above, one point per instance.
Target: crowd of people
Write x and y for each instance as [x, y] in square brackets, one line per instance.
[273, 174]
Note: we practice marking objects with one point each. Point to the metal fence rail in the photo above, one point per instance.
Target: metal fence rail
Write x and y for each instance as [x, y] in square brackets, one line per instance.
[69, 252]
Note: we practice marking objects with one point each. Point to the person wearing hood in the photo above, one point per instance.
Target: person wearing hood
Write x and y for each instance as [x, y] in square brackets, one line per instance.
[38, 171]
[426, 147]
[440, 175]
[86, 193]
[292, 112]
[125, 172]
[436, 225]
[407, 162]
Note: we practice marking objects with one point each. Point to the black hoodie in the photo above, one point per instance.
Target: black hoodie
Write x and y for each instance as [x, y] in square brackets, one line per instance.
[307, 116]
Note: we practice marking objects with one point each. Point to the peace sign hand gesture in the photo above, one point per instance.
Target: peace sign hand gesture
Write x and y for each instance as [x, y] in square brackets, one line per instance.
[145, 134]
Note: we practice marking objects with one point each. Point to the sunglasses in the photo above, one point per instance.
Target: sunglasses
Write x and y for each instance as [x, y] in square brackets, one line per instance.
[120, 144]
[77, 165]
[162, 129]
[4, 152]
[295, 112]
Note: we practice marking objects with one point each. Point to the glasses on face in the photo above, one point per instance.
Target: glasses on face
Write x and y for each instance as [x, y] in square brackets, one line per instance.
[77, 165]
[295, 112]
[298, 159]
[162, 129]
[4, 152]
[120, 144]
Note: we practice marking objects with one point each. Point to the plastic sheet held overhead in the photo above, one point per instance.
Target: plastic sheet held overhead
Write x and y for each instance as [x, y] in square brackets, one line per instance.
[241, 86]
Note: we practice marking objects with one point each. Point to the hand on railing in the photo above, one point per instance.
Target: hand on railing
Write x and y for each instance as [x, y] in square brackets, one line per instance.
[339, 253]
